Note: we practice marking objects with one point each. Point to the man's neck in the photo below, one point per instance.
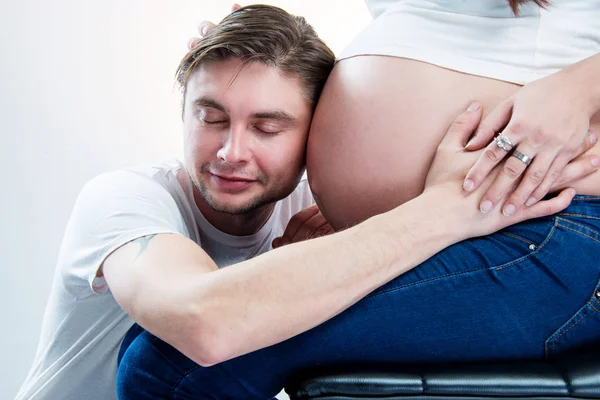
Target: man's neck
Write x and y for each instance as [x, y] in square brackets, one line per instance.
[235, 224]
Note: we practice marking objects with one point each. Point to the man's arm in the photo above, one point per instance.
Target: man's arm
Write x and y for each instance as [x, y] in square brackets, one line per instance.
[175, 291]
[170, 286]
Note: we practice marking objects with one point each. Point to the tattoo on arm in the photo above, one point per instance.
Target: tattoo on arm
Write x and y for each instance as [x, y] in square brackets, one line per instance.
[143, 241]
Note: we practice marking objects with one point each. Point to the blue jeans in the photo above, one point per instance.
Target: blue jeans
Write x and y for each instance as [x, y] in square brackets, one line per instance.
[531, 291]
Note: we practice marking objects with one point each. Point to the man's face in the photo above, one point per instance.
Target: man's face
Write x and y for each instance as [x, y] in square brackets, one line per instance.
[244, 135]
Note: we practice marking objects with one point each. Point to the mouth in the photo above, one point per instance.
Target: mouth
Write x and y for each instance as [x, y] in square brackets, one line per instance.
[231, 182]
[232, 178]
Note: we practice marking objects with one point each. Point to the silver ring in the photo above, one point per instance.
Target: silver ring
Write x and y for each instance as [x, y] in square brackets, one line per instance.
[522, 157]
[504, 143]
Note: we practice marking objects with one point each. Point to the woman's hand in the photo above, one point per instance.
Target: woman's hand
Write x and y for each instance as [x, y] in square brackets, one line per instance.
[546, 124]
[205, 27]
[306, 224]
[452, 161]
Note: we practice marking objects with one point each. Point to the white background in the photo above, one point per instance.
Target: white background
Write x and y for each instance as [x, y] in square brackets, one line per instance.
[85, 87]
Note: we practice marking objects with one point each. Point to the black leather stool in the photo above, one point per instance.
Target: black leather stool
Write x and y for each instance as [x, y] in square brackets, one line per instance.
[576, 377]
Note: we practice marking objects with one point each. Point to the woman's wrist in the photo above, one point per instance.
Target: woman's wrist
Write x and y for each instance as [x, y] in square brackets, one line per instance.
[583, 76]
[450, 211]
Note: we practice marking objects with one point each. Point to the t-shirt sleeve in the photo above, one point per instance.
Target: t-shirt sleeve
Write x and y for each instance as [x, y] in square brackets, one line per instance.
[111, 210]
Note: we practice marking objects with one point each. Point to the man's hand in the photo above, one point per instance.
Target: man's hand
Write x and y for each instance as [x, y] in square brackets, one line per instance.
[205, 27]
[306, 224]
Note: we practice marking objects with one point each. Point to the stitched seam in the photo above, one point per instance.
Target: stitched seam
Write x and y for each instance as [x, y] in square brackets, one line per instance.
[437, 278]
[247, 389]
[579, 225]
[512, 235]
[586, 198]
[502, 267]
[581, 233]
[537, 250]
[584, 313]
[182, 377]
[496, 268]
[243, 384]
[587, 216]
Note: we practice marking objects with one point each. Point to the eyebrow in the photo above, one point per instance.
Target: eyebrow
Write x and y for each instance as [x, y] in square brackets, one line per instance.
[279, 115]
[208, 102]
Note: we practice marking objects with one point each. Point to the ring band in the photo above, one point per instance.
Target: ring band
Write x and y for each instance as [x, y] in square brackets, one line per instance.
[525, 159]
[504, 143]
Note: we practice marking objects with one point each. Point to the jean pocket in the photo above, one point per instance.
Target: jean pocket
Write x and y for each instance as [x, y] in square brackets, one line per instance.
[530, 234]
[580, 334]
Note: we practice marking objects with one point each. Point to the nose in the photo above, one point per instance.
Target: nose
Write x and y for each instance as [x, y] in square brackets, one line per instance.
[235, 148]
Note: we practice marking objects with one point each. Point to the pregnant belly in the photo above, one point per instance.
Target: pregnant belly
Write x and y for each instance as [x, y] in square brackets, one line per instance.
[376, 128]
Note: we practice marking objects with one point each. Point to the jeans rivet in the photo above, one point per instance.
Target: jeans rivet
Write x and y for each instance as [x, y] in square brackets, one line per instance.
[598, 293]
[532, 247]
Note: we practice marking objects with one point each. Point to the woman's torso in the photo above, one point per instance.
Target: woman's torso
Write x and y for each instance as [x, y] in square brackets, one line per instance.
[379, 121]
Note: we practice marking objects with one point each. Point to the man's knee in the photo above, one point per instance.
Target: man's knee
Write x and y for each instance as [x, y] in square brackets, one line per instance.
[149, 368]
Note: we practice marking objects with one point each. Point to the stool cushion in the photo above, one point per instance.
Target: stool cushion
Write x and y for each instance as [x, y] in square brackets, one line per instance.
[574, 377]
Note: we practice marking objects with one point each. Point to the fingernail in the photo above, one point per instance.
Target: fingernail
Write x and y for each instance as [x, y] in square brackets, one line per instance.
[530, 201]
[486, 206]
[474, 107]
[509, 210]
[596, 162]
[469, 184]
[203, 30]
[593, 138]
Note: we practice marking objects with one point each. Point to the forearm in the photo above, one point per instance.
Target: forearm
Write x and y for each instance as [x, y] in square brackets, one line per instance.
[287, 291]
[585, 74]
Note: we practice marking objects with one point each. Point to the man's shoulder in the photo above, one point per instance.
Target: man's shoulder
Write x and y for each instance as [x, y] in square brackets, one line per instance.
[132, 178]
[133, 190]
[143, 171]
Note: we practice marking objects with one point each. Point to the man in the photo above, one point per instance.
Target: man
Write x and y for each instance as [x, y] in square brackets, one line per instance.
[245, 132]
[249, 91]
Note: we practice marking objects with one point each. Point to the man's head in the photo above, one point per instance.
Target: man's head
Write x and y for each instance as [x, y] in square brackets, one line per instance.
[250, 87]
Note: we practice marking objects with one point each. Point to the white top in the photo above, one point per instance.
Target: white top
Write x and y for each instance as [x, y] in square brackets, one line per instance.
[483, 37]
[83, 325]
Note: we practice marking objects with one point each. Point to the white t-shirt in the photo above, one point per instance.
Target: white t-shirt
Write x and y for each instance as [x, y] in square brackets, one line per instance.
[83, 325]
[483, 37]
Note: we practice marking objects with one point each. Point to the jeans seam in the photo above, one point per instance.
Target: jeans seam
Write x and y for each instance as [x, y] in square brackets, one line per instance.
[536, 251]
[247, 389]
[517, 237]
[425, 281]
[587, 216]
[581, 233]
[584, 198]
[577, 224]
[182, 377]
[495, 268]
[584, 313]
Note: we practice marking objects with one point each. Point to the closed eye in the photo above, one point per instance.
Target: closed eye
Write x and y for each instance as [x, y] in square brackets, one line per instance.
[267, 130]
[211, 116]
